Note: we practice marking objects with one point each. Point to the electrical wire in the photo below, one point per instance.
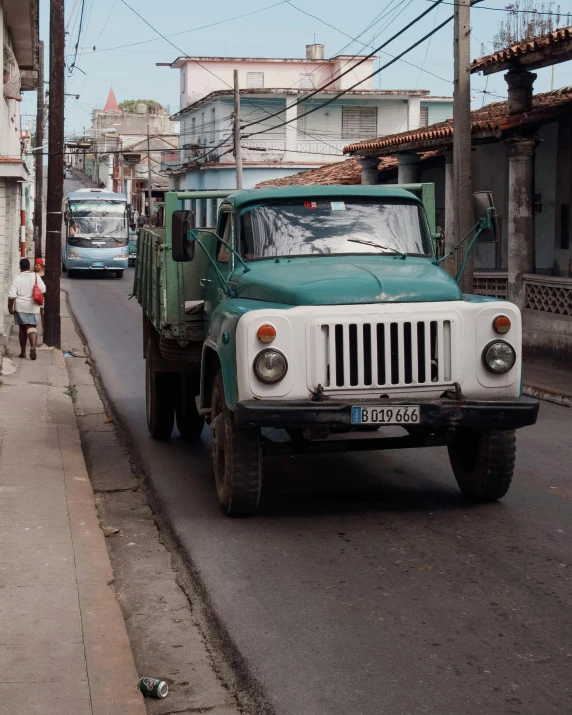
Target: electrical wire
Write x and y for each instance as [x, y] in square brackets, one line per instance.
[364, 59]
[345, 91]
[194, 29]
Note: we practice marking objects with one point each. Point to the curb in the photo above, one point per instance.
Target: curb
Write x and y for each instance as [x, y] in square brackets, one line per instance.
[543, 392]
[110, 666]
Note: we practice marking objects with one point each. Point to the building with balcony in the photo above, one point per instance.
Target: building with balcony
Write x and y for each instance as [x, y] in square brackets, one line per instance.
[282, 135]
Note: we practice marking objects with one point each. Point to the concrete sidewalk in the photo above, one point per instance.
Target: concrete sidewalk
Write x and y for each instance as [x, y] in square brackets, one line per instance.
[63, 645]
[548, 383]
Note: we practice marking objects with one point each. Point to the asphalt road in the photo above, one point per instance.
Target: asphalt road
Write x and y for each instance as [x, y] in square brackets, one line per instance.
[367, 585]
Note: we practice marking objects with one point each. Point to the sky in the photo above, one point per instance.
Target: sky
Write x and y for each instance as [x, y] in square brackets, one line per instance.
[275, 28]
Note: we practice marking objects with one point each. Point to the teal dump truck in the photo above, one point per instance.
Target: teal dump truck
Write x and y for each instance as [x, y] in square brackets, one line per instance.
[310, 319]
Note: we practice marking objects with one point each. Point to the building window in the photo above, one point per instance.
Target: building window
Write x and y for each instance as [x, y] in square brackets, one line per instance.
[183, 82]
[202, 129]
[193, 128]
[306, 81]
[255, 80]
[212, 126]
[424, 116]
[565, 227]
[359, 123]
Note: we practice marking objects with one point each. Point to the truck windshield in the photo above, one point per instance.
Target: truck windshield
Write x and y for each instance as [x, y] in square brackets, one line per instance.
[332, 227]
[97, 224]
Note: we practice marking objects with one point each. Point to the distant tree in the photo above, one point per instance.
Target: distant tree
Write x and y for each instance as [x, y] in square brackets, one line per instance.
[128, 105]
[525, 20]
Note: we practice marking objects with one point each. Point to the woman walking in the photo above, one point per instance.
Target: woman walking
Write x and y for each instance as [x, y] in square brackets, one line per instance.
[24, 308]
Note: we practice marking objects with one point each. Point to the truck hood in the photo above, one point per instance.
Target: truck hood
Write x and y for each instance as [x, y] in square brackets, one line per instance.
[342, 281]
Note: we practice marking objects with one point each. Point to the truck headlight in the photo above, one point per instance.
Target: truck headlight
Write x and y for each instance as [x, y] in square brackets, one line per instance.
[270, 366]
[499, 357]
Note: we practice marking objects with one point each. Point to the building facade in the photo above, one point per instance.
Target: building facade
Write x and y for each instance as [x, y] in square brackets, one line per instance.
[282, 131]
[19, 26]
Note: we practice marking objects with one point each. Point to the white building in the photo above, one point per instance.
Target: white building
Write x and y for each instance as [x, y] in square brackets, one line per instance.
[19, 25]
[273, 87]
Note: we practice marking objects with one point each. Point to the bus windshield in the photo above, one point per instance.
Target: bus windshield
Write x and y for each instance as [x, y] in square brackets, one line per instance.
[302, 228]
[97, 224]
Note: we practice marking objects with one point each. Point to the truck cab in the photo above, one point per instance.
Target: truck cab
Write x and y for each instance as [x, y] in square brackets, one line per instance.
[325, 313]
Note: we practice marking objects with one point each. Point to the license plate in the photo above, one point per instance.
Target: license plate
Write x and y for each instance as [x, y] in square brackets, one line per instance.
[98, 264]
[382, 415]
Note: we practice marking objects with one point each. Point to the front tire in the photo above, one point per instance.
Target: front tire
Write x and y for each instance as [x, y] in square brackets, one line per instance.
[189, 423]
[160, 396]
[483, 462]
[236, 456]
[71, 273]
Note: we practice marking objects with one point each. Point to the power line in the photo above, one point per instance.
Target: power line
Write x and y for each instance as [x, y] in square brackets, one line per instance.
[509, 10]
[377, 49]
[194, 29]
[345, 91]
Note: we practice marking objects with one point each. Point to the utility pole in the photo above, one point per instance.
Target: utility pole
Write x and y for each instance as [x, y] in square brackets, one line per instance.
[39, 158]
[52, 320]
[462, 134]
[237, 149]
[150, 186]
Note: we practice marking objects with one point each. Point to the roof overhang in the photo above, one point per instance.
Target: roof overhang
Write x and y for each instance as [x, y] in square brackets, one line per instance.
[482, 131]
[543, 51]
[269, 92]
[13, 169]
[22, 20]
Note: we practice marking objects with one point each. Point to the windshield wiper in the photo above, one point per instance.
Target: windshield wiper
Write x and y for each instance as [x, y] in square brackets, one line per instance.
[377, 245]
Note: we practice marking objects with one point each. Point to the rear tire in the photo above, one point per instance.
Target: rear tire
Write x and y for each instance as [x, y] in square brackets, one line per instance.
[64, 269]
[119, 274]
[483, 462]
[189, 423]
[161, 389]
[237, 458]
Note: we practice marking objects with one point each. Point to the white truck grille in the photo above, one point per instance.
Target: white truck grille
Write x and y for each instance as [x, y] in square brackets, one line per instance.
[397, 353]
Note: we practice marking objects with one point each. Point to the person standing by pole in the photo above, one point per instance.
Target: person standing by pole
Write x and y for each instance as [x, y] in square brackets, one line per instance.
[23, 305]
[52, 319]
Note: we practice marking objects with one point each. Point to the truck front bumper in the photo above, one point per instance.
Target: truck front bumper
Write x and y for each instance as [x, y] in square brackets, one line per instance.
[435, 414]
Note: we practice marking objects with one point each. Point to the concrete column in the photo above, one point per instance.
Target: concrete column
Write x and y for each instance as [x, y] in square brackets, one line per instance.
[407, 168]
[291, 140]
[450, 265]
[369, 170]
[519, 90]
[520, 215]
[414, 113]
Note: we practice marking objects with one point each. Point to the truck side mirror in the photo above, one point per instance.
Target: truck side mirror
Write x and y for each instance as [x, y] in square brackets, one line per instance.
[485, 214]
[183, 249]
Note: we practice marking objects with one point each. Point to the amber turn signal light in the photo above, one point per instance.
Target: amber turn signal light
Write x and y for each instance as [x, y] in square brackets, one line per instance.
[501, 324]
[266, 333]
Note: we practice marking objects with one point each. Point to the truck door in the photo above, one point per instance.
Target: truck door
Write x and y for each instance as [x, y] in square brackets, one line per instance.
[213, 290]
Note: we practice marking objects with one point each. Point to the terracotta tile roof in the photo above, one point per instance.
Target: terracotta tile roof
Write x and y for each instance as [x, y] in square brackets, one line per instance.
[346, 173]
[520, 49]
[491, 120]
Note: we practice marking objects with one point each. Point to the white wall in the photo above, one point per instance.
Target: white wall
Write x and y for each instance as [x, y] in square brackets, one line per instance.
[196, 82]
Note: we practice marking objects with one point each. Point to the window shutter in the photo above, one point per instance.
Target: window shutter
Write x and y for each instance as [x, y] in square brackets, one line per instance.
[255, 80]
[424, 116]
[359, 123]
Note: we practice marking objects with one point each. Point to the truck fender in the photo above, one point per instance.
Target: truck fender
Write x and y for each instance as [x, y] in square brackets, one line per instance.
[210, 365]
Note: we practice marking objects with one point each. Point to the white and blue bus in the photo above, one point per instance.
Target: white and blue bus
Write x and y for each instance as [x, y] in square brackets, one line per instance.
[95, 232]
